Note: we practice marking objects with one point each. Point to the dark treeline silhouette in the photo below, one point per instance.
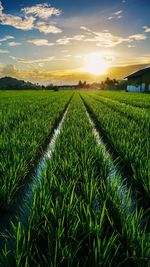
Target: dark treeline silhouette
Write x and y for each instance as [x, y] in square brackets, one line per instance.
[83, 85]
[9, 83]
[107, 84]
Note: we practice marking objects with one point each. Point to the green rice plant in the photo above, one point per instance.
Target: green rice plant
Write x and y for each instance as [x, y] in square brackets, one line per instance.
[132, 99]
[27, 119]
[68, 224]
[72, 218]
[139, 115]
[128, 138]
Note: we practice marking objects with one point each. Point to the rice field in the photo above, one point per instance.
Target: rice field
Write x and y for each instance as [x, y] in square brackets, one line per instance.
[87, 202]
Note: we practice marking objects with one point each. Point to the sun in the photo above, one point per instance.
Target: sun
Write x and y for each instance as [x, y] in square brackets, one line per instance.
[96, 64]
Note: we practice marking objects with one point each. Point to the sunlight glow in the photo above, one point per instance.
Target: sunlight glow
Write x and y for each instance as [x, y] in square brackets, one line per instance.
[96, 64]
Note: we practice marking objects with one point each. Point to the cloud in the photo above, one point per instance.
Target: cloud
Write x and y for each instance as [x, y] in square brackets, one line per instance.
[3, 51]
[146, 29]
[118, 12]
[40, 42]
[32, 61]
[47, 28]
[108, 39]
[71, 76]
[43, 11]
[138, 37]
[68, 56]
[102, 39]
[67, 40]
[26, 23]
[9, 70]
[85, 28]
[119, 17]
[29, 20]
[105, 39]
[131, 46]
[41, 75]
[1, 7]
[116, 15]
[110, 17]
[14, 43]
[63, 41]
[7, 37]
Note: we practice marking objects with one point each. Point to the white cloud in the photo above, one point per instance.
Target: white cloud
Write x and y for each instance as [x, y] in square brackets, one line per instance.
[146, 29]
[47, 28]
[67, 56]
[138, 37]
[77, 37]
[67, 40]
[14, 43]
[40, 42]
[63, 41]
[17, 22]
[32, 61]
[43, 11]
[118, 12]
[85, 28]
[107, 39]
[131, 46]
[116, 15]
[3, 51]
[29, 22]
[1, 7]
[7, 37]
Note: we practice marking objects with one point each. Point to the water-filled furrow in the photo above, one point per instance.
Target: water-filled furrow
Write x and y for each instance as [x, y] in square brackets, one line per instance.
[25, 199]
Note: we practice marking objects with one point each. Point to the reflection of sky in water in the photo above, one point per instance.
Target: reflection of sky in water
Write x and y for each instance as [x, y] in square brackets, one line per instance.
[50, 149]
[114, 179]
[32, 188]
[22, 208]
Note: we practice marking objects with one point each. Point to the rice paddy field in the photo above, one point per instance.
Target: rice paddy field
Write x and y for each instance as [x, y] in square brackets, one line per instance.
[74, 179]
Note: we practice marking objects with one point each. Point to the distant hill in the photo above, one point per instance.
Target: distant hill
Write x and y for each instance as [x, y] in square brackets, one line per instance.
[9, 83]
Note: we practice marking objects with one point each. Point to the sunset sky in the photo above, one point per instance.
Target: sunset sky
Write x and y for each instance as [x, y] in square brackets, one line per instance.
[62, 41]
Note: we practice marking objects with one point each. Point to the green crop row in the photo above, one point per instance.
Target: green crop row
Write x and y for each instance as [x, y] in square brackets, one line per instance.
[129, 139]
[81, 213]
[26, 120]
[133, 99]
[140, 115]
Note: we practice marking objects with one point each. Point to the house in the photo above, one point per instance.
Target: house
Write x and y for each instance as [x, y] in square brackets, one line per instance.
[139, 81]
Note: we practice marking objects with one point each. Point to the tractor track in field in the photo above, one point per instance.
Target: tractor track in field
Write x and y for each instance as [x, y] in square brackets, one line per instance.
[25, 194]
[120, 166]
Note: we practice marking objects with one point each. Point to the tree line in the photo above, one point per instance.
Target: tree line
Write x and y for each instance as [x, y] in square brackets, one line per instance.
[9, 83]
[107, 84]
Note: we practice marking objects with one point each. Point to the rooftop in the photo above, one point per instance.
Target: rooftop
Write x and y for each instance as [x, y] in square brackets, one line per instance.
[139, 73]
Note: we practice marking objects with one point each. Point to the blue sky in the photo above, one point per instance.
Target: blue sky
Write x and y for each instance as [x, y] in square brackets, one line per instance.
[63, 41]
